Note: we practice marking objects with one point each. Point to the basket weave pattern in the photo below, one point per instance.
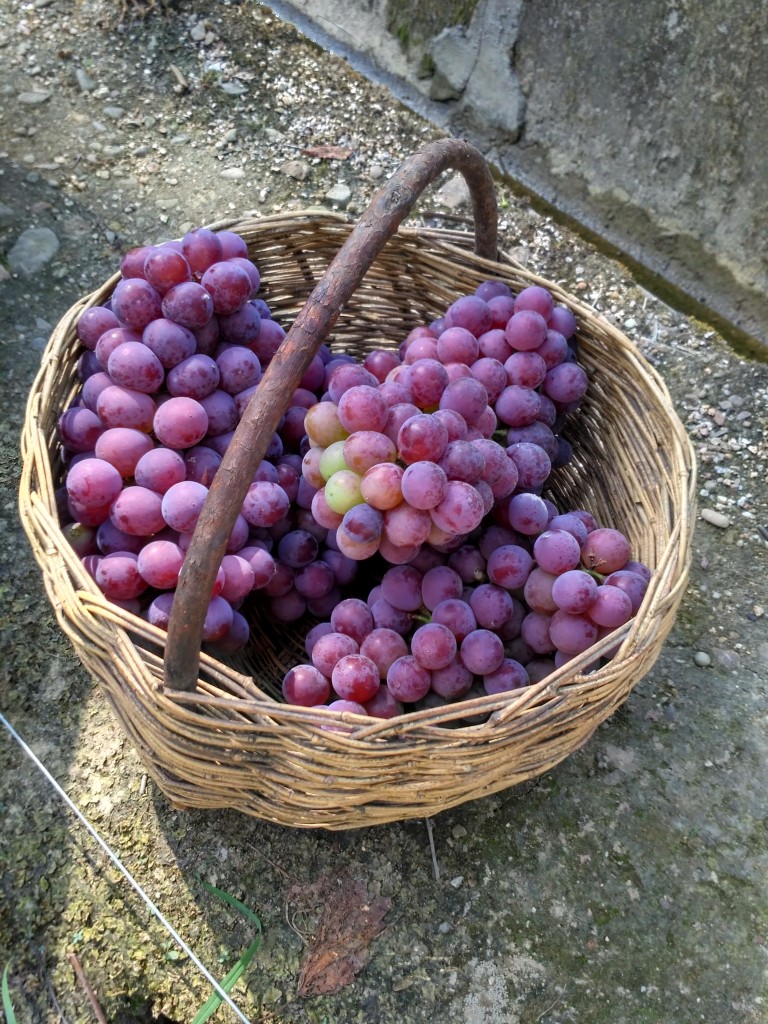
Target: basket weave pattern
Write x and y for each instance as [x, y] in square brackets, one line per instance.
[231, 742]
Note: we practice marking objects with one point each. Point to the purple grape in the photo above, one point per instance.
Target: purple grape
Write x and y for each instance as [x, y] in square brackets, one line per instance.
[526, 330]
[467, 397]
[407, 681]
[239, 369]
[180, 422]
[401, 587]
[355, 677]
[345, 376]
[93, 322]
[426, 379]
[182, 504]
[470, 312]
[195, 377]
[460, 511]
[330, 648]
[123, 447]
[188, 304]
[534, 630]
[605, 551]
[218, 619]
[80, 428]
[537, 298]
[509, 566]
[556, 551]
[201, 248]
[612, 607]
[383, 647]
[563, 320]
[159, 564]
[517, 406]
[527, 513]
[137, 511]
[492, 606]
[94, 483]
[169, 341]
[440, 583]
[364, 449]
[383, 705]
[457, 345]
[632, 583]
[229, 286]
[243, 327]
[132, 263]
[574, 591]
[160, 469]
[386, 616]
[234, 246]
[381, 486]
[353, 617]
[538, 591]
[361, 407]
[565, 383]
[118, 577]
[297, 548]
[305, 686]
[433, 646]
[510, 675]
[493, 343]
[452, 682]
[553, 351]
[463, 460]
[572, 634]
[457, 616]
[421, 438]
[482, 652]
[135, 303]
[165, 267]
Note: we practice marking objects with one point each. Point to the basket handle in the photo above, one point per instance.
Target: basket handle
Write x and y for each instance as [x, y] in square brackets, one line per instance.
[389, 206]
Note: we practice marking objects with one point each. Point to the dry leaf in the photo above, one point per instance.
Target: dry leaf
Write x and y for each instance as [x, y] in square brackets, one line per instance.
[328, 152]
[338, 951]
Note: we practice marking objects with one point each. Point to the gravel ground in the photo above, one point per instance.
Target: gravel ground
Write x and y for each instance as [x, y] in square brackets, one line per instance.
[628, 885]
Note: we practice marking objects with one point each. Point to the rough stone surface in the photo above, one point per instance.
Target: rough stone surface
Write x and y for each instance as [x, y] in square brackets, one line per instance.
[647, 131]
[32, 250]
[627, 885]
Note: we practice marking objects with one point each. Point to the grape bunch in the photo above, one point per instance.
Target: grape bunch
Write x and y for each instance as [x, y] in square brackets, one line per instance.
[492, 616]
[407, 447]
[399, 512]
[168, 366]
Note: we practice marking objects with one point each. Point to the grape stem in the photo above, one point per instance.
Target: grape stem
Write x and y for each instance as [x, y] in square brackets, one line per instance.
[387, 210]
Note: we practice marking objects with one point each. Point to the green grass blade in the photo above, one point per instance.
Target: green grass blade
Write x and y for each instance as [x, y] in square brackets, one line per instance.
[211, 1005]
[10, 1016]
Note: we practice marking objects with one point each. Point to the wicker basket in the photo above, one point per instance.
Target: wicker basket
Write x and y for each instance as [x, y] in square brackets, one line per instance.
[229, 741]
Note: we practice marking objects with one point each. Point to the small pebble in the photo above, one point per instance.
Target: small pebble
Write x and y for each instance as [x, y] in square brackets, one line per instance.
[339, 195]
[84, 80]
[457, 881]
[709, 515]
[232, 173]
[702, 659]
[33, 99]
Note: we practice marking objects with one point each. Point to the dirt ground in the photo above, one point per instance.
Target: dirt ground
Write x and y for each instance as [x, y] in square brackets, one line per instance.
[627, 886]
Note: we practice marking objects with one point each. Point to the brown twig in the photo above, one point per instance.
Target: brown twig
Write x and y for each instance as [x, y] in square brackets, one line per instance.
[86, 987]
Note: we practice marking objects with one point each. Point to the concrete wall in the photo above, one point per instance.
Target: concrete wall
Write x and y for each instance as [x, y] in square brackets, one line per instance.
[647, 122]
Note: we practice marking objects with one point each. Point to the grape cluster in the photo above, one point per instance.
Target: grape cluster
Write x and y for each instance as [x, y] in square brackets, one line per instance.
[168, 366]
[494, 615]
[426, 464]
[419, 446]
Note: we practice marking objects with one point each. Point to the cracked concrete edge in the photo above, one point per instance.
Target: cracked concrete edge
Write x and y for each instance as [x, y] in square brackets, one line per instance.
[460, 96]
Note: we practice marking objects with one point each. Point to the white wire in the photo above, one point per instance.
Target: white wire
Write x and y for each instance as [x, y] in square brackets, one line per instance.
[121, 867]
